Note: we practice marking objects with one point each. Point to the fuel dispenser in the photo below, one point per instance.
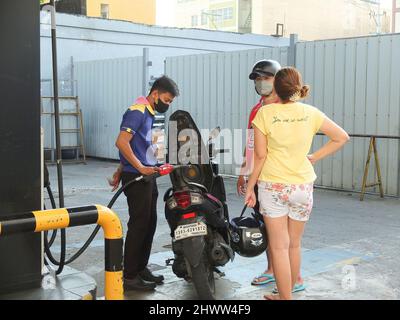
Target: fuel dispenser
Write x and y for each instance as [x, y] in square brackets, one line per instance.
[20, 169]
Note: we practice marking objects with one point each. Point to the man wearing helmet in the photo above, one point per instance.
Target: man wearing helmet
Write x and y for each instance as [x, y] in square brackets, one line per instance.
[263, 74]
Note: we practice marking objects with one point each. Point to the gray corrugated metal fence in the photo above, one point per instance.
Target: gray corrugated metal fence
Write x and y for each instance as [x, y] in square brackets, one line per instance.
[106, 88]
[216, 89]
[356, 82]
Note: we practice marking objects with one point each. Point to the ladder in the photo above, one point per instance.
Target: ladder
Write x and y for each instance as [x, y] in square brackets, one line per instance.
[372, 149]
[71, 128]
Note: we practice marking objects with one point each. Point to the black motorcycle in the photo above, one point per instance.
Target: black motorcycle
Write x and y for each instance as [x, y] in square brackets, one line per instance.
[195, 207]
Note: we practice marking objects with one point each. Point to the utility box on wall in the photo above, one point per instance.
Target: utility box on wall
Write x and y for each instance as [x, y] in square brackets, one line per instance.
[20, 168]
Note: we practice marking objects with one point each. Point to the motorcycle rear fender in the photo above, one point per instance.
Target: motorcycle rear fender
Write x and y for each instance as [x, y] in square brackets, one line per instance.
[193, 249]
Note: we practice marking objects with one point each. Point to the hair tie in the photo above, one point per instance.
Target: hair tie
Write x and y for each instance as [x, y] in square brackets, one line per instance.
[295, 96]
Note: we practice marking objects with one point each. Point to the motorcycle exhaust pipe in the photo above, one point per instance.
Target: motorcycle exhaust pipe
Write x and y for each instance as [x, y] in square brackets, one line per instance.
[218, 255]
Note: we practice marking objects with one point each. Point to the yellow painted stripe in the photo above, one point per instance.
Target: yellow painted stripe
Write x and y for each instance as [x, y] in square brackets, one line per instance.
[138, 107]
[51, 219]
[113, 286]
[110, 223]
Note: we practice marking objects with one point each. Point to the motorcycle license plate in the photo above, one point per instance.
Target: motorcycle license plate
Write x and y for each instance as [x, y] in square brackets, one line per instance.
[191, 230]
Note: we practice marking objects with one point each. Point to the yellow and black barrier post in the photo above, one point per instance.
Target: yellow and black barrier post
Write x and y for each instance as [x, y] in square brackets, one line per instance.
[45, 220]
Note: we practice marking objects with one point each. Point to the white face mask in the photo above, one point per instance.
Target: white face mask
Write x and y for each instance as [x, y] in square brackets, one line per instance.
[264, 87]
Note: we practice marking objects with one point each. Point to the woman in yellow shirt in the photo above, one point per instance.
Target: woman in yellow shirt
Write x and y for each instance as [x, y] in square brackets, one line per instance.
[283, 169]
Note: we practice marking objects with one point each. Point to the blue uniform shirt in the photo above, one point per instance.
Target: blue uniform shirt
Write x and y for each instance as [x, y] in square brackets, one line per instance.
[138, 120]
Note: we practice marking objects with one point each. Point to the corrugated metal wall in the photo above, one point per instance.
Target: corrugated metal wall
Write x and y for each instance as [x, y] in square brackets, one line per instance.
[106, 88]
[216, 89]
[356, 82]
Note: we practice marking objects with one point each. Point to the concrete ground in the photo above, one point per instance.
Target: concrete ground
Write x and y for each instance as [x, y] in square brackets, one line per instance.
[351, 248]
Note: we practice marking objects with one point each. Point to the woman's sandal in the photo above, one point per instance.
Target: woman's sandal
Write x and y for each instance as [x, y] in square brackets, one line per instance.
[297, 288]
[268, 279]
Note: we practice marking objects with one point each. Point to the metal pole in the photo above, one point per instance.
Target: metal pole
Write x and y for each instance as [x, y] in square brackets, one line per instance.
[52, 9]
[56, 103]
[146, 64]
[73, 94]
[294, 38]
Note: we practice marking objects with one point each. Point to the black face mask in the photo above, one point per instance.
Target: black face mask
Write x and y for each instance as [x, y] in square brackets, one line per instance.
[161, 107]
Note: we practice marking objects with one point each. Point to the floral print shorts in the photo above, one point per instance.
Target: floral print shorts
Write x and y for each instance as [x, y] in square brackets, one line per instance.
[278, 200]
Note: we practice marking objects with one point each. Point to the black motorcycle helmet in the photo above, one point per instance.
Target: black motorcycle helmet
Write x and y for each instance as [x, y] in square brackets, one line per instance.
[265, 68]
[248, 235]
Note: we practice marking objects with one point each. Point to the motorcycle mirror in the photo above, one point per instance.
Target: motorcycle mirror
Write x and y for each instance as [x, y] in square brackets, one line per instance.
[211, 150]
[214, 133]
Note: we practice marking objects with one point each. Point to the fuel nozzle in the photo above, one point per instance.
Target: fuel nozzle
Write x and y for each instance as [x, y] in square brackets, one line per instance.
[167, 168]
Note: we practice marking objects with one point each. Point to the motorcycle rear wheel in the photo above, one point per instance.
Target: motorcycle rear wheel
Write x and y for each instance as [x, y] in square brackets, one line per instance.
[203, 280]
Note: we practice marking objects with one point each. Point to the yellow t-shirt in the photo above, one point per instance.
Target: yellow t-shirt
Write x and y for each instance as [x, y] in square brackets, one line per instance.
[290, 129]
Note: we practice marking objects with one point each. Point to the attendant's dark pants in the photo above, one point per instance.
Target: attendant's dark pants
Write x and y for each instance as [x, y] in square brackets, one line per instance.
[142, 201]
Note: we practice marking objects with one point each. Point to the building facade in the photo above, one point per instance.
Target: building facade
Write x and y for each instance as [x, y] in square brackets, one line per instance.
[128, 10]
[222, 15]
[311, 19]
[396, 16]
[316, 19]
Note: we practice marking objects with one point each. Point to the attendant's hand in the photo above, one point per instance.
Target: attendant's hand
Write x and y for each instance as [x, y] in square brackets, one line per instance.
[148, 171]
[115, 180]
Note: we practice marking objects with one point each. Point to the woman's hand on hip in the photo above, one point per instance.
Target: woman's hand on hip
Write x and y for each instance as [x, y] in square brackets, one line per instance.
[312, 159]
